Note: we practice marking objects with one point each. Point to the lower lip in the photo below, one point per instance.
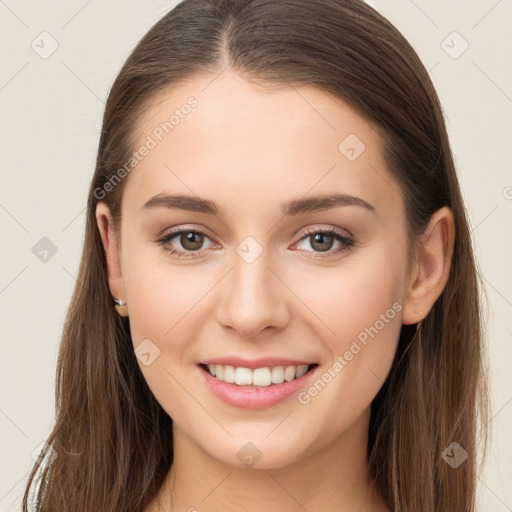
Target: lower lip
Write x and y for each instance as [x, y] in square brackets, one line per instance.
[254, 397]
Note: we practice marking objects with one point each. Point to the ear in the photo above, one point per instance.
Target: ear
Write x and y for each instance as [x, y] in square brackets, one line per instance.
[112, 255]
[431, 266]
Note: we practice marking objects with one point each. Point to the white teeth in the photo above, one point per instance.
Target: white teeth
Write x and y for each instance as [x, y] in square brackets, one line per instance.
[277, 374]
[289, 373]
[229, 373]
[261, 377]
[301, 370]
[243, 376]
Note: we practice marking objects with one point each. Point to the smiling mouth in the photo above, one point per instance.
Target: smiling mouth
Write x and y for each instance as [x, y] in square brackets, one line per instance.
[259, 377]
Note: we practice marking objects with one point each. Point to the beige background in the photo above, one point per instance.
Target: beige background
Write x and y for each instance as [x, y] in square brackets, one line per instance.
[51, 111]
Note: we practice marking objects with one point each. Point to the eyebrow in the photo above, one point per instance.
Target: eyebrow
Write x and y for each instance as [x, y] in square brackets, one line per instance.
[293, 207]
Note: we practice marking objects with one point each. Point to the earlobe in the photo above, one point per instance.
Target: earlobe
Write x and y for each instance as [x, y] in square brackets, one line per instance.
[431, 267]
[112, 256]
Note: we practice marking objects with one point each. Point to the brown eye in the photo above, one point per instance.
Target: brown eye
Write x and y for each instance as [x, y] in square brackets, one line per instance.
[191, 240]
[185, 243]
[321, 241]
[325, 242]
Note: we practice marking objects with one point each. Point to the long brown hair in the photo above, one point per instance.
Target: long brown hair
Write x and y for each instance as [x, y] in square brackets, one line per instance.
[112, 439]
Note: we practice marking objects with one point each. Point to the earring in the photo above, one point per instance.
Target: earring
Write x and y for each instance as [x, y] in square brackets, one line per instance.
[121, 308]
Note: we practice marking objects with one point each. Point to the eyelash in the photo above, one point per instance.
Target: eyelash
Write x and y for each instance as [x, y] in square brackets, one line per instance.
[347, 243]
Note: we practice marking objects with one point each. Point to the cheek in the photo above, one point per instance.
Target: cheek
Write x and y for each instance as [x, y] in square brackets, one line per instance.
[161, 294]
[353, 295]
[364, 310]
[162, 301]
[360, 307]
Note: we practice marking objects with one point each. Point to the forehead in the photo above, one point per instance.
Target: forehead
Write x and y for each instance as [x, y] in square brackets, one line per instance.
[255, 142]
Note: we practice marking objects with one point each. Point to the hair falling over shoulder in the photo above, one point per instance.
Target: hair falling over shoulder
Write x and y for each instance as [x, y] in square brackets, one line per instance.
[112, 439]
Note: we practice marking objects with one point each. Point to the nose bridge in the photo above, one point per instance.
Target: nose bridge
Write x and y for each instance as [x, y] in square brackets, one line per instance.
[253, 298]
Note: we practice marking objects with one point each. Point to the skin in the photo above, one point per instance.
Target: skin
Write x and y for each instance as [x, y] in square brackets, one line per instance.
[251, 147]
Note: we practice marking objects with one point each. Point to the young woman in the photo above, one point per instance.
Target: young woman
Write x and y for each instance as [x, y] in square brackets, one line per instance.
[277, 304]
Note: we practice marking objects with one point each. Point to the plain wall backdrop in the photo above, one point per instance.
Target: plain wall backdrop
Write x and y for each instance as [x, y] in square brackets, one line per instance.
[59, 60]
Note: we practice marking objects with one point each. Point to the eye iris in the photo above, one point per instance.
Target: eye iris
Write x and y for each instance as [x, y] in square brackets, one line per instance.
[195, 239]
[322, 237]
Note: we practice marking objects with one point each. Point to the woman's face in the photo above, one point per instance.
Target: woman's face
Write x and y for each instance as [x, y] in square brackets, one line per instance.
[257, 279]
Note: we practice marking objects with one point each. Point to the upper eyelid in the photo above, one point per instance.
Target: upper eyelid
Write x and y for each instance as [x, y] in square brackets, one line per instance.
[180, 230]
[331, 229]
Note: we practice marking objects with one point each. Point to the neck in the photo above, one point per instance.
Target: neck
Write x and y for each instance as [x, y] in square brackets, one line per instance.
[333, 477]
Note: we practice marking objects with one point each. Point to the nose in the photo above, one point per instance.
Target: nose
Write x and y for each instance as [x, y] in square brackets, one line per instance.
[253, 298]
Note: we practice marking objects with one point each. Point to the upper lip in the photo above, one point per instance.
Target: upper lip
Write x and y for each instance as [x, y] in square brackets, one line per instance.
[262, 362]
